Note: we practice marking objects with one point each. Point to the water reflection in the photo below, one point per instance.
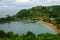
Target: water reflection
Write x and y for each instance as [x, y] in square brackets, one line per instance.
[23, 27]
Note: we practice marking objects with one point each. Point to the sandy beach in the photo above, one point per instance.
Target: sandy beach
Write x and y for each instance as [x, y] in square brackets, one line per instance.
[49, 25]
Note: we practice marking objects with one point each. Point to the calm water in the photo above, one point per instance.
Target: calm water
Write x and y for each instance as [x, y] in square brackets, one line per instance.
[23, 27]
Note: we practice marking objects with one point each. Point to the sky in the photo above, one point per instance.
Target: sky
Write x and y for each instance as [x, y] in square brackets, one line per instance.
[13, 5]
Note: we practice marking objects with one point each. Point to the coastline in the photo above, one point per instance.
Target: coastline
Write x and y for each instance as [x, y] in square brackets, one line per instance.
[49, 25]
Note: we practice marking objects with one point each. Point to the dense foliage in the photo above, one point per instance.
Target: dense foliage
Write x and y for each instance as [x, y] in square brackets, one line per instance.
[51, 11]
[28, 36]
[7, 19]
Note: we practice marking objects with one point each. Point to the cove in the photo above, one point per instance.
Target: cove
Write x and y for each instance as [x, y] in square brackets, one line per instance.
[24, 27]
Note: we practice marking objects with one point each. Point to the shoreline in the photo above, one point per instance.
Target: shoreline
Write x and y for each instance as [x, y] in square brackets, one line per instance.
[49, 25]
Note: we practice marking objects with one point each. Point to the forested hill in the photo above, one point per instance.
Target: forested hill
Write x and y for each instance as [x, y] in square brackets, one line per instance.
[52, 11]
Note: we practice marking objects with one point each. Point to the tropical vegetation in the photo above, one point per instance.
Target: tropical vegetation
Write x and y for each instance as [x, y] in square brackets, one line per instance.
[28, 36]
